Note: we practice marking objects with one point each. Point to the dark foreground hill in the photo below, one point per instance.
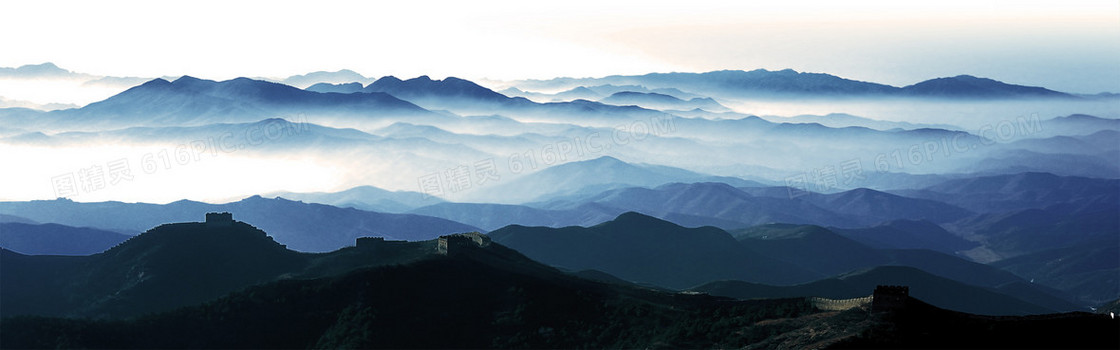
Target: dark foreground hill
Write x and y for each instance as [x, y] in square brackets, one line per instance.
[821, 250]
[920, 325]
[650, 251]
[644, 249]
[939, 291]
[487, 296]
[465, 293]
[171, 266]
[459, 291]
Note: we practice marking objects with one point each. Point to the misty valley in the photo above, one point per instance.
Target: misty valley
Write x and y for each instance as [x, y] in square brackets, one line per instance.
[722, 209]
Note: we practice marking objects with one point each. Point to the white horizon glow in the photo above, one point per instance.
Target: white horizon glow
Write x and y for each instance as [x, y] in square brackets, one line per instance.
[1068, 46]
[214, 179]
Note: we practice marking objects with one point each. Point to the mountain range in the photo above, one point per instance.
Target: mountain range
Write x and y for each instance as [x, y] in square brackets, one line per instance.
[624, 211]
[738, 207]
[141, 270]
[790, 83]
[55, 239]
[192, 101]
[646, 250]
[1059, 212]
[302, 226]
[593, 93]
[465, 97]
[367, 198]
[161, 269]
[938, 291]
[23, 86]
[705, 142]
[391, 294]
[908, 234]
[1019, 191]
[643, 249]
[304, 81]
[658, 101]
[967, 86]
[592, 176]
[1086, 271]
[827, 253]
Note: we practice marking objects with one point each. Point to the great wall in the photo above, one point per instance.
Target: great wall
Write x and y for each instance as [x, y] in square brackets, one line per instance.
[885, 298]
[840, 304]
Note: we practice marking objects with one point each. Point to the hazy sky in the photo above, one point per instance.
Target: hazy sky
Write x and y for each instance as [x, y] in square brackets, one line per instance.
[1065, 45]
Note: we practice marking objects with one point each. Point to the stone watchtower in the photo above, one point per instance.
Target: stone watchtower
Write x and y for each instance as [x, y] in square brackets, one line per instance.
[223, 219]
[889, 298]
[448, 243]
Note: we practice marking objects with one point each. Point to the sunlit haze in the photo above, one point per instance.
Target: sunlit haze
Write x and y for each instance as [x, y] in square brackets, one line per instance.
[1069, 46]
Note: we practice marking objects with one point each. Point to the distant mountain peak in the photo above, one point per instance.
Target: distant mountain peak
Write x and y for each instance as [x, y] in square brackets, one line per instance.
[186, 79]
[455, 79]
[272, 121]
[155, 82]
[969, 86]
[1081, 117]
[600, 162]
[864, 191]
[202, 236]
[631, 220]
[44, 65]
[604, 160]
[192, 83]
[633, 216]
[36, 70]
[634, 93]
[425, 88]
[345, 88]
[386, 79]
[242, 79]
[319, 77]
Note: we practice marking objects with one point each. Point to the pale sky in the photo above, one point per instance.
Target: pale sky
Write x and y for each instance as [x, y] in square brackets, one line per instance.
[1071, 46]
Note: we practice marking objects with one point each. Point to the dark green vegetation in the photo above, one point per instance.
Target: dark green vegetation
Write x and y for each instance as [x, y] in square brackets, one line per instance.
[1058, 231]
[170, 266]
[439, 303]
[474, 296]
[644, 249]
[940, 291]
[813, 259]
[1088, 271]
[229, 285]
[821, 250]
[489, 296]
[920, 325]
[908, 234]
